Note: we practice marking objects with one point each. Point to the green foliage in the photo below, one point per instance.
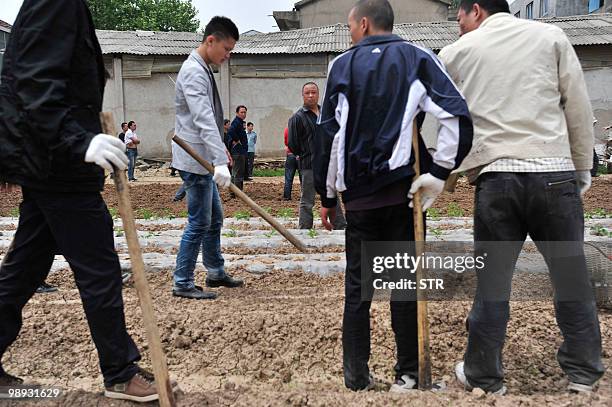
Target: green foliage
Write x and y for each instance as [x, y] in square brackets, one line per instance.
[599, 230]
[268, 172]
[114, 212]
[270, 233]
[148, 15]
[433, 214]
[598, 213]
[454, 210]
[242, 215]
[286, 213]
[232, 232]
[14, 213]
[183, 213]
[145, 214]
[436, 231]
[312, 233]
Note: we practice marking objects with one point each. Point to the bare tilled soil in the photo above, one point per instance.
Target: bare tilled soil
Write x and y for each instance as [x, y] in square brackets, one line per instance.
[155, 199]
[277, 342]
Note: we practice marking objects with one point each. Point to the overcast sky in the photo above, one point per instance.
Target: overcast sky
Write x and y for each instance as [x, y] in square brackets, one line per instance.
[247, 14]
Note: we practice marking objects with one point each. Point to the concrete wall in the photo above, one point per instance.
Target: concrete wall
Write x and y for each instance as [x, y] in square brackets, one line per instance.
[326, 12]
[559, 8]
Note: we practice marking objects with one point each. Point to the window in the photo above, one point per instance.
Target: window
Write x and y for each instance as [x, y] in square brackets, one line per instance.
[543, 7]
[529, 11]
[517, 14]
[595, 5]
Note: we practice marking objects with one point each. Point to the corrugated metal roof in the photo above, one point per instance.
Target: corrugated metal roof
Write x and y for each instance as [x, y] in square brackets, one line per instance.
[581, 30]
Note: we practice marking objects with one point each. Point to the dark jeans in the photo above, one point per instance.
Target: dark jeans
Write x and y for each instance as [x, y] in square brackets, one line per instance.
[307, 201]
[393, 223]
[547, 206]
[291, 166]
[132, 153]
[249, 165]
[238, 170]
[78, 226]
[180, 193]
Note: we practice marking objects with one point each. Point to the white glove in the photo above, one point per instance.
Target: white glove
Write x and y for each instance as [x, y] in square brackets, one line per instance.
[107, 151]
[222, 176]
[429, 186]
[583, 179]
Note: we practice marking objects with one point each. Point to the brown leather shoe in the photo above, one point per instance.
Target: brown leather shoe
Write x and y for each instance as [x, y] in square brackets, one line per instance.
[138, 389]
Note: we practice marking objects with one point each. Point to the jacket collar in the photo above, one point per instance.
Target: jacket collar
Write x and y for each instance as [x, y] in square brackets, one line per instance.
[493, 18]
[378, 39]
[306, 110]
[194, 54]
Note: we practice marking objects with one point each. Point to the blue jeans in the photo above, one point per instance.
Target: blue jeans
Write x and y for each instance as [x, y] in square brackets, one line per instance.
[132, 153]
[291, 166]
[205, 219]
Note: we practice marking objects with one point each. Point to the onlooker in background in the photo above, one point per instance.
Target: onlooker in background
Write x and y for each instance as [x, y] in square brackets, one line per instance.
[227, 141]
[124, 128]
[302, 127]
[131, 142]
[595, 157]
[291, 166]
[252, 141]
[239, 146]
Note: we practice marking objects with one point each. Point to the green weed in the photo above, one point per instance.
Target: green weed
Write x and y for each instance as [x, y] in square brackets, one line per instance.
[242, 215]
[433, 214]
[454, 210]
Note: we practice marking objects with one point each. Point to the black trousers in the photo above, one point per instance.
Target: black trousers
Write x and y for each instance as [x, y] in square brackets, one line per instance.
[78, 226]
[238, 170]
[547, 206]
[393, 223]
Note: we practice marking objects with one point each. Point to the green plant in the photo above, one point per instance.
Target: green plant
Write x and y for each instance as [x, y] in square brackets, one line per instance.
[599, 230]
[436, 231]
[119, 231]
[145, 214]
[268, 209]
[270, 233]
[454, 210]
[183, 213]
[286, 212]
[433, 214]
[316, 214]
[166, 214]
[14, 213]
[312, 233]
[242, 215]
[598, 213]
[232, 232]
[268, 172]
[114, 212]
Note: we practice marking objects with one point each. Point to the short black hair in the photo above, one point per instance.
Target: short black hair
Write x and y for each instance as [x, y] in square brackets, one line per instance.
[226, 121]
[131, 122]
[221, 27]
[309, 83]
[123, 124]
[250, 124]
[491, 6]
[240, 107]
[379, 12]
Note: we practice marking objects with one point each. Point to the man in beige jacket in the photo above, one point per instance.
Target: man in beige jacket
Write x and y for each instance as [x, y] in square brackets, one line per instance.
[530, 161]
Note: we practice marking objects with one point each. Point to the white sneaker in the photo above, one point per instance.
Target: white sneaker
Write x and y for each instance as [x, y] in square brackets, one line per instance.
[460, 374]
[403, 385]
[579, 388]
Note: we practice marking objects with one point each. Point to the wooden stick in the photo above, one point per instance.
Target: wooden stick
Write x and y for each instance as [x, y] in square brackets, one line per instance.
[244, 197]
[419, 239]
[160, 368]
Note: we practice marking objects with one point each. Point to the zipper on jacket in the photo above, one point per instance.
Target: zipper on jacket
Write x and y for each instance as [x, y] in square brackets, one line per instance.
[550, 184]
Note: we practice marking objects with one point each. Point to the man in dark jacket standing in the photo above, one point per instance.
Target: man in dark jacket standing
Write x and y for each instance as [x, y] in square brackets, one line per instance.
[375, 92]
[50, 144]
[238, 146]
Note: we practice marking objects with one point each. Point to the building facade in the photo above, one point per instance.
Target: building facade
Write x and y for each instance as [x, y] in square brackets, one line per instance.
[531, 9]
[318, 13]
[5, 31]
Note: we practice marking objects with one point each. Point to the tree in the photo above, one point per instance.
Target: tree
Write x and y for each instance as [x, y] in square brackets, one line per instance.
[150, 15]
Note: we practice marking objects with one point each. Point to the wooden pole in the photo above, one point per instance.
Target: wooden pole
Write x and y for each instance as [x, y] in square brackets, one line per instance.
[419, 239]
[160, 368]
[244, 197]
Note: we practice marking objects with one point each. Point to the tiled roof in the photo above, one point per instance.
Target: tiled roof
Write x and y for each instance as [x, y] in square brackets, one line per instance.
[4, 26]
[581, 30]
[305, 2]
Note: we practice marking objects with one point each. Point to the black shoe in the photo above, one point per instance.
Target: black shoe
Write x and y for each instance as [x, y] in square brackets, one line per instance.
[194, 294]
[226, 281]
[45, 288]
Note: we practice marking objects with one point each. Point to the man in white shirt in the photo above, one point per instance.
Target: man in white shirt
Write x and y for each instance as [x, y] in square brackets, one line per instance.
[131, 142]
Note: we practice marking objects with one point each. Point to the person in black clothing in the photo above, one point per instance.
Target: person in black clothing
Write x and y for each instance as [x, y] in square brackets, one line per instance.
[124, 128]
[50, 144]
[301, 132]
[238, 146]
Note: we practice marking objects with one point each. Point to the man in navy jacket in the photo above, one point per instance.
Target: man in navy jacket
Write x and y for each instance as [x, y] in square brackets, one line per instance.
[375, 92]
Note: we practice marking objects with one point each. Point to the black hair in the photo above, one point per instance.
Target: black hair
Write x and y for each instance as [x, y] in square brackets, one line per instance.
[226, 121]
[250, 124]
[491, 6]
[379, 12]
[309, 83]
[221, 27]
[123, 124]
[130, 123]
[240, 107]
